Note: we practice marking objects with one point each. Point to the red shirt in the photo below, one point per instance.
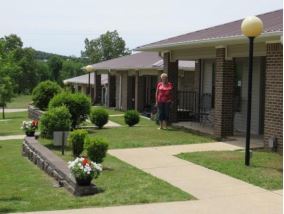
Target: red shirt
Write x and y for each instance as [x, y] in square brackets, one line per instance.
[164, 92]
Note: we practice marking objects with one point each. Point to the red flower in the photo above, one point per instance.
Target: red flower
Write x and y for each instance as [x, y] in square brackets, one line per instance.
[84, 162]
[35, 123]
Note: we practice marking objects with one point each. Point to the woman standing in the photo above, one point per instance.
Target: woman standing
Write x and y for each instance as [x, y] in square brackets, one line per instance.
[164, 100]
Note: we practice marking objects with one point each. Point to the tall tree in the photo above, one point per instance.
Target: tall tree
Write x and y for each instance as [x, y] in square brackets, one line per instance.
[108, 46]
[6, 92]
[55, 66]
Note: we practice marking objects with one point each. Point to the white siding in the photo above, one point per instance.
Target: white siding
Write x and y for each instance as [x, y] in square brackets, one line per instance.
[240, 117]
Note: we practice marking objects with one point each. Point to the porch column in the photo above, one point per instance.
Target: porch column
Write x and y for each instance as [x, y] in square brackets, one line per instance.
[139, 93]
[197, 85]
[224, 88]
[111, 91]
[171, 68]
[98, 89]
[124, 90]
[273, 116]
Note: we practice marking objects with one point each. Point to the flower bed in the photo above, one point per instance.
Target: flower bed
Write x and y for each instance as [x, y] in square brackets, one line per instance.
[54, 166]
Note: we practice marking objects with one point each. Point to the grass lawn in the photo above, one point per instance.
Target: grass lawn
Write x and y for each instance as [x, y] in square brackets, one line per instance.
[12, 123]
[24, 187]
[265, 170]
[110, 111]
[20, 101]
[142, 122]
[146, 136]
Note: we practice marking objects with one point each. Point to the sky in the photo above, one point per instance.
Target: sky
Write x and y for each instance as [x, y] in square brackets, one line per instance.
[61, 26]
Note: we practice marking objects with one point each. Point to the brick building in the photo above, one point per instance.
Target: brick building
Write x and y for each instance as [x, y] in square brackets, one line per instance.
[221, 56]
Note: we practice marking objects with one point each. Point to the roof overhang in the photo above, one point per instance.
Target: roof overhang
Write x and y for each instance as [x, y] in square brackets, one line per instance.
[276, 35]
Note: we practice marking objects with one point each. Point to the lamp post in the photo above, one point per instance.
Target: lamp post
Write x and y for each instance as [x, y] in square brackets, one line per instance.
[89, 69]
[251, 27]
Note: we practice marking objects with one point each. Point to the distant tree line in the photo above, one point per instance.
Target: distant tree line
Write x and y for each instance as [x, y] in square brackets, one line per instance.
[21, 69]
[26, 67]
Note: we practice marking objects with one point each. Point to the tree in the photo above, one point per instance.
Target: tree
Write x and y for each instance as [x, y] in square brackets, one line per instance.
[6, 92]
[71, 68]
[108, 46]
[55, 66]
[11, 42]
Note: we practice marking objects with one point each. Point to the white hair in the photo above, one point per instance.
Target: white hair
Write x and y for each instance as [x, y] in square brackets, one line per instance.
[164, 75]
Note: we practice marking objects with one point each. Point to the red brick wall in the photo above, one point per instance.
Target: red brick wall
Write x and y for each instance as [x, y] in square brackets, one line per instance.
[171, 68]
[224, 87]
[273, 119]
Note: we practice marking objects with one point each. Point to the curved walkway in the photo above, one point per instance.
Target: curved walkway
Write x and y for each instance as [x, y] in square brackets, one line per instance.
[216, 193]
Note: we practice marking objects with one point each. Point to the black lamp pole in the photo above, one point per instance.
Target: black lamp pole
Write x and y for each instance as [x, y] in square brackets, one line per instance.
[247, 154]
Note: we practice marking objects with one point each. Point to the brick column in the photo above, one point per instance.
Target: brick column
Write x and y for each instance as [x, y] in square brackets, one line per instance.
[98, 89]
[224, 88]
[171, 68]
[111, 91]
[273, 119]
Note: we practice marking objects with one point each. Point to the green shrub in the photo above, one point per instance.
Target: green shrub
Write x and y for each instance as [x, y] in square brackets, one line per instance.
[99, 117]
[44, 92]
[131, 117]
[55, 119]
[96, 149]
[78, 104]
[76, 140]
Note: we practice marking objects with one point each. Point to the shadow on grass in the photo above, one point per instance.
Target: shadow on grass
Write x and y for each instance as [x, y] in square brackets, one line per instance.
[11, 199]
[6, 210]
[268, 167]
[56, 148]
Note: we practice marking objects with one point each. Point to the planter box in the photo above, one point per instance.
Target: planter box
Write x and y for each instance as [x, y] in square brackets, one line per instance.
[57, 138]
[55, 167]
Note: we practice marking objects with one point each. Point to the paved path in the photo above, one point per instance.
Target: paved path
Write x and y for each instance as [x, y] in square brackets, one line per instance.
[12, 137]
[7, 110]
[216, 192]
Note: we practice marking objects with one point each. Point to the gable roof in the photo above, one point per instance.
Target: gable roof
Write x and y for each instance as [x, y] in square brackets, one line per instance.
[135, 61]
[139, 61]
[272, 22]
[83, 79]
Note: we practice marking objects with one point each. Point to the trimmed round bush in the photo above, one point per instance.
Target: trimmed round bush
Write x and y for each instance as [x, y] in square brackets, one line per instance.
[44, 92]
[76, 140]
[78, 104]
[131, 117]
[96, 149]
[99, 117]
[55, 119]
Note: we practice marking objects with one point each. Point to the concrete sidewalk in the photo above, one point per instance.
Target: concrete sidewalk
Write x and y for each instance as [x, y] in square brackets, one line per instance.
[216, 193]
[206, 185]
[12, 137]
[10, 110]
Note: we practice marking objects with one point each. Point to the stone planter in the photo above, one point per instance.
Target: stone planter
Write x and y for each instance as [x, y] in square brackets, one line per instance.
[58, 136]
[30, 133]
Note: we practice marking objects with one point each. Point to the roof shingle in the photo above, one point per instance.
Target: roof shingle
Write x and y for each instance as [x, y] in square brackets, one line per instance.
[272, 21]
